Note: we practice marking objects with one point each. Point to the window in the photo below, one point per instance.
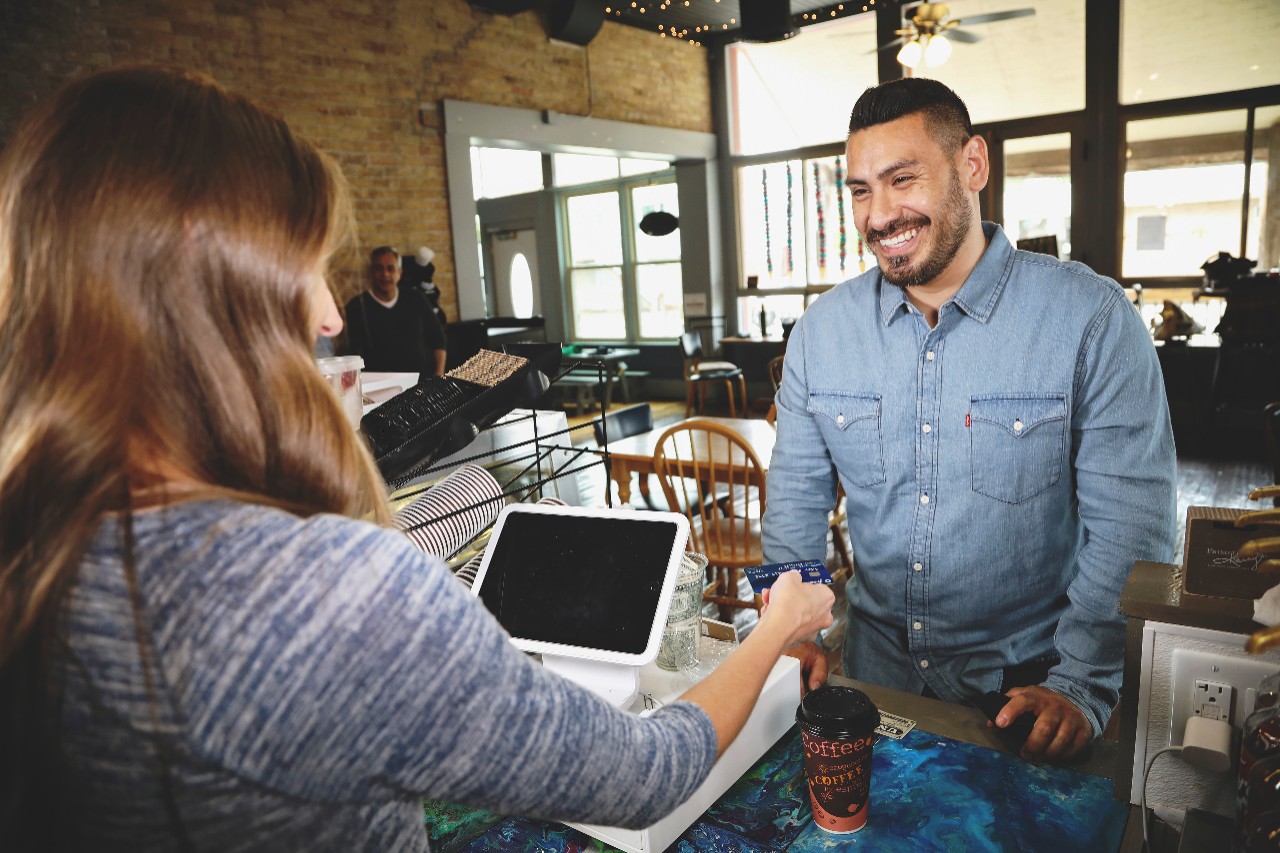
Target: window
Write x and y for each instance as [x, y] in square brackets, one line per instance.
[659, 286]
[520, 281]
[1184, 185]
[796, 222]
[1174, 50]
[623, 290]
[1031, 66]
[499, 172]
[796, 93]
[1037, 189]
[1264, 219]
[595, 266]
[575, 169]
[572, 169]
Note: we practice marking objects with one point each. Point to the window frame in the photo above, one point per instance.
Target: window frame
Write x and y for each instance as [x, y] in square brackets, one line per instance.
[629, 265]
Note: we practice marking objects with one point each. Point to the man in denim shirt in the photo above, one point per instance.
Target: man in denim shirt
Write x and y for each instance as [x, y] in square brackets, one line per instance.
[999, 423]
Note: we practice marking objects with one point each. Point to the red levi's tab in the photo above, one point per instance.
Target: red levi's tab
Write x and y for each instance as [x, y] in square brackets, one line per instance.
[968, 420]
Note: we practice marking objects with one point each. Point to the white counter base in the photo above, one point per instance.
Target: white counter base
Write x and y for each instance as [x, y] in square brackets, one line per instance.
[774, 714]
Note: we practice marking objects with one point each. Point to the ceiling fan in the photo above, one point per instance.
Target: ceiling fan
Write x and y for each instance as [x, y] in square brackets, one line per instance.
[929, 32]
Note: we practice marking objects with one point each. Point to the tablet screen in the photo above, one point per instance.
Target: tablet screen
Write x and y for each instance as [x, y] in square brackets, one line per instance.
[593, 581]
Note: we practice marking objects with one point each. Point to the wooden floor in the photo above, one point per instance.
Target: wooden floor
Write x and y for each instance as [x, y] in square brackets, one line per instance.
[1201, 482]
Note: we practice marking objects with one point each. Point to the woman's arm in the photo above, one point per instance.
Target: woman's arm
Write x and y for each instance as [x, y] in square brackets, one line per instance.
[794, 611]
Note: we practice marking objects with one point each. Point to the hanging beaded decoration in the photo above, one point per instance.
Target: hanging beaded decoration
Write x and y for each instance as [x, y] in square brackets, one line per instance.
[822, 220]
[844, 235]
[768, 244]
[790, 212]
[862, 263]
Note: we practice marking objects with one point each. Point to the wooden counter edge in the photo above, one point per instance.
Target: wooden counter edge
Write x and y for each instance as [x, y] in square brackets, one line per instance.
[962, 723]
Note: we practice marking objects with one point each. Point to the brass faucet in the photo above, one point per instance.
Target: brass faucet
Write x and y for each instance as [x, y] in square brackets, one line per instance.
[1259, 516]
[1267, 638]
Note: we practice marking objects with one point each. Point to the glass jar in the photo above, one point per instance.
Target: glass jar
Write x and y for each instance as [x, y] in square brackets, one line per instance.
[679, 648]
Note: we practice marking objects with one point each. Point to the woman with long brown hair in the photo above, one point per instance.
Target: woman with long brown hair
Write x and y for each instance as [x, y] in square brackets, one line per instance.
[202, 644]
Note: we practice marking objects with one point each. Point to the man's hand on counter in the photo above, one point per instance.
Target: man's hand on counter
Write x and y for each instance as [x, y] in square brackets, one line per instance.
[1061, 730]
[813, 664]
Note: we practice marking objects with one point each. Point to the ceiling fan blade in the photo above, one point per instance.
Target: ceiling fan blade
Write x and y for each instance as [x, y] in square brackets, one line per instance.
[996, 16]
[963, 35]
[888, 46]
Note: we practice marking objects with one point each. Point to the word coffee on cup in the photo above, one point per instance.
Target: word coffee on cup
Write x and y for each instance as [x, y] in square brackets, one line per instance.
[837, 729]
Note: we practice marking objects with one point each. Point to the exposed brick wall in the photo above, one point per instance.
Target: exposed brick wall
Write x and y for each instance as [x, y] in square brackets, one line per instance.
[352, 75]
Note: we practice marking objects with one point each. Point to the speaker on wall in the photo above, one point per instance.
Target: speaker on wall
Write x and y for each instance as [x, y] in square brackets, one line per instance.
[766, 20]
[504, 7]
[574, 21]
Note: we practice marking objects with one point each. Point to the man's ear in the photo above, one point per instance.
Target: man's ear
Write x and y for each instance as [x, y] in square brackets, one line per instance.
[975, 164]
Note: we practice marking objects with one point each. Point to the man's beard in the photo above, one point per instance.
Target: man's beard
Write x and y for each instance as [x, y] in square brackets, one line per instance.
[950, 229]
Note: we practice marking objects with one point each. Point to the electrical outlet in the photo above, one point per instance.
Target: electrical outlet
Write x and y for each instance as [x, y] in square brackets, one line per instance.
[1220, 687]
[1212, 699]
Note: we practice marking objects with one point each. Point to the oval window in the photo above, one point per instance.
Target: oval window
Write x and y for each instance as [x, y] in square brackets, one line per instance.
[521, 285]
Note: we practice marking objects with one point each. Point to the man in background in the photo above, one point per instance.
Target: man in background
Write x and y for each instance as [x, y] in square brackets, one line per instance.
[999, 423]
[394, 329]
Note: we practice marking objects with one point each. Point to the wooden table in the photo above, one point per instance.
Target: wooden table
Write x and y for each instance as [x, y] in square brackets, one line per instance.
[591, 362]
[634, 455]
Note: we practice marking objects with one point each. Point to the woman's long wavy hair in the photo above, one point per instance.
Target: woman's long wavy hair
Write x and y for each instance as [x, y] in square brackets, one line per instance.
[162, 247]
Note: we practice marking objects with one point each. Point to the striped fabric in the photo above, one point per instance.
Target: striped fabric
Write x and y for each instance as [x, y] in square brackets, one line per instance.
[315, 679]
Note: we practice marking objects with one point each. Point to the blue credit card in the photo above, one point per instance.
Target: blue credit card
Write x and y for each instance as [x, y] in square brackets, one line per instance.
[811, 571]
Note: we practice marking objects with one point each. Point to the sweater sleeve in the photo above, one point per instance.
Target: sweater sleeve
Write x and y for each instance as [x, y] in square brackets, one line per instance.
[354, 667]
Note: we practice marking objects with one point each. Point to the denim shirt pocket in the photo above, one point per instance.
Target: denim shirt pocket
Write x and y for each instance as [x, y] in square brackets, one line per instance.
[1017, 444]
[850, 425]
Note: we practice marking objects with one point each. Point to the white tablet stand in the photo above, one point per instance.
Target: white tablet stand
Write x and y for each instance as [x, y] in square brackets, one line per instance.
[617, 683]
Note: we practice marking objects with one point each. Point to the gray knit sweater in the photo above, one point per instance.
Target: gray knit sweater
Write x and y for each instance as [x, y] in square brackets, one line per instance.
[314, 680]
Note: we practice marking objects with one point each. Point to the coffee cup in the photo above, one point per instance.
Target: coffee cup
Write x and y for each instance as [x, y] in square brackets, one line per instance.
[837, 728]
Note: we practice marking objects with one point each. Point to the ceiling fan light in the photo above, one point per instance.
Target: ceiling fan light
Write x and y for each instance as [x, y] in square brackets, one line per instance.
[911, 53]
[937, 51]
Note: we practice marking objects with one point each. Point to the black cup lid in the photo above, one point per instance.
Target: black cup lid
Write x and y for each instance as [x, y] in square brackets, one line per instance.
[838, 712]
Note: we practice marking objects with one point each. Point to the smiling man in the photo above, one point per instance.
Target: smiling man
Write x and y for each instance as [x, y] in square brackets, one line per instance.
[999, 423]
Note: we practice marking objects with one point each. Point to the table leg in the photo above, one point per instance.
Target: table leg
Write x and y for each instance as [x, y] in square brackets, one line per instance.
[622, 476]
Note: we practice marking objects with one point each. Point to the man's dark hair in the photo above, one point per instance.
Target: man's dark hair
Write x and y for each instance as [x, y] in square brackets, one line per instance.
[384, 250]
[945, 115]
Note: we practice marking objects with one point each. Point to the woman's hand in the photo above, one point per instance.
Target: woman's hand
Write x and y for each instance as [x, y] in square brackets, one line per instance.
[802, 609]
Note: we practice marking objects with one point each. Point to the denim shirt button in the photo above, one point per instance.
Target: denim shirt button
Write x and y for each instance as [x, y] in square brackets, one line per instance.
[924, 664]
[1017, 426]
[917, 625]
[926, 429]
[918, 566]
[929, 355]
[924, 499]
[840, 419]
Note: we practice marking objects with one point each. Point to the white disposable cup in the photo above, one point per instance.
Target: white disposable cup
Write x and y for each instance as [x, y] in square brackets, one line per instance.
[343, 375]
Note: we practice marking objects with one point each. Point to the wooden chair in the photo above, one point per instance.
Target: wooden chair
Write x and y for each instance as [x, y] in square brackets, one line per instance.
[698, 372]
[775, 372]
[625, 423]
[701, 466]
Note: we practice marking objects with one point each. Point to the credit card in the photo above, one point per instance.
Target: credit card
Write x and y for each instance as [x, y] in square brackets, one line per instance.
[811, 571]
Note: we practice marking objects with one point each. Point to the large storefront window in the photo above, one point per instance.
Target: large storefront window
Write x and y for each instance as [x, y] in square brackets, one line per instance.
[1029, 66]
[1178, 48]
[1264, 196]
[1184, 185]
[796, 93]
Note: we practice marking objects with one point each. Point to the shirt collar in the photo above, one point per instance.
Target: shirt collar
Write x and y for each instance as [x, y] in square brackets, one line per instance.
[978, 295]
